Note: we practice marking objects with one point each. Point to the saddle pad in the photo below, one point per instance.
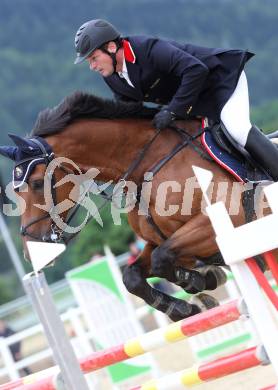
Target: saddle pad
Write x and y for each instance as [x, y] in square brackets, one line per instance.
[224, 159]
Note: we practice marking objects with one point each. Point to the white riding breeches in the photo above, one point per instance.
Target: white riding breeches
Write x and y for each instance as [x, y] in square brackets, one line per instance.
[235, 114]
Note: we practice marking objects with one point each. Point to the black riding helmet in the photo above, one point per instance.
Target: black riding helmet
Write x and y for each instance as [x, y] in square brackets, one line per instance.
[91, 36]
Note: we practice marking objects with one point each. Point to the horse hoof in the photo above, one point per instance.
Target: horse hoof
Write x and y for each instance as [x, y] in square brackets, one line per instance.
[203, 301]
[214, 276]
[182, 309]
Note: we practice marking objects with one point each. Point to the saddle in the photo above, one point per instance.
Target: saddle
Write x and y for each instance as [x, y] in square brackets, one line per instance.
[231, 156]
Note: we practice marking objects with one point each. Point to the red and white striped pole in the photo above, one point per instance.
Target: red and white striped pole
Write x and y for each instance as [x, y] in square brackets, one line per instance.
[263, 282]
[205, 372]
[272, 264]
[142, 344]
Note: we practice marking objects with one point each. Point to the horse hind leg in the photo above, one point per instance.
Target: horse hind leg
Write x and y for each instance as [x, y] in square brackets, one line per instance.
[176, 309]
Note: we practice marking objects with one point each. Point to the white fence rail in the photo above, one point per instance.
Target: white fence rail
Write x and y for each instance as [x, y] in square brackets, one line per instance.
[80, 342]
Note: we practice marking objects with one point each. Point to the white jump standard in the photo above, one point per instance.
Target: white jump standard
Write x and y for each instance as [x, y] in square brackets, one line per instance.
[71, 377]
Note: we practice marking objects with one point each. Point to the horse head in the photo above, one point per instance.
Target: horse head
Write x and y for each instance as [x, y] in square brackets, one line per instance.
[40, 180]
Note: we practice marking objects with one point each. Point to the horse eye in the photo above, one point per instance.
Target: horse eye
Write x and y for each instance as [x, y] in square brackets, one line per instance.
[37, 184]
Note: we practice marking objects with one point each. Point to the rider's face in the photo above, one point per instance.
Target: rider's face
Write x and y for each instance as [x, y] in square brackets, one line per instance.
[101, 62]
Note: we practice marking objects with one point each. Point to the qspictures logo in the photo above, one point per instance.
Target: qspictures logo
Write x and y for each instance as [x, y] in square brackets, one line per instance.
[123, 196]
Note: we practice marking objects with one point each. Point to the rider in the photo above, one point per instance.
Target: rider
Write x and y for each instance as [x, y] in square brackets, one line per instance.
[186, 79]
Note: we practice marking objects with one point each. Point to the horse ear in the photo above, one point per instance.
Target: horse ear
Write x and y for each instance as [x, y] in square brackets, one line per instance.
[19, 141]
[8, 151]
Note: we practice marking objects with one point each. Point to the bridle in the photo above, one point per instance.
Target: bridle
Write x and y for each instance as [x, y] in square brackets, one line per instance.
[56, 235]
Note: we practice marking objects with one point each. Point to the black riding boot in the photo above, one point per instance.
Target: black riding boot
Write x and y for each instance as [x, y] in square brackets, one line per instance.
[263, 151]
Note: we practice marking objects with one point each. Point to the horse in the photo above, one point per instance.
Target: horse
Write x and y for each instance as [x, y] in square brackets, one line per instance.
[118, 139]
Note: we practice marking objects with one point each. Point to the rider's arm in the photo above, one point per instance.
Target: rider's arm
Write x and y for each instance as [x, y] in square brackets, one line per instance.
[171, 60]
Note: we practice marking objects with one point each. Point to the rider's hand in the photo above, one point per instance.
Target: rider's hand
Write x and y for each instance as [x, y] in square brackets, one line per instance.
[163, 119]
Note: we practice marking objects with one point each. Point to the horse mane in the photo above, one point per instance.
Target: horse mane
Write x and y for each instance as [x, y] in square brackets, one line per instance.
[81, 105]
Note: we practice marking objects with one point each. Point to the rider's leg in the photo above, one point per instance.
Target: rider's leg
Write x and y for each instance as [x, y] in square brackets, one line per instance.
[263, 151]
[235, 116]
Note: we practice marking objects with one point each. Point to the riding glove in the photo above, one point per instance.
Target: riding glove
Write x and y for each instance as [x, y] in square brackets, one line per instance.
[163, 119]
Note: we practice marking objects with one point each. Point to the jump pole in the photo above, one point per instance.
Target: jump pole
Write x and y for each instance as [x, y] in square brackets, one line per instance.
[205, 372]
[70, 377]
[197, 374]
[147, 342]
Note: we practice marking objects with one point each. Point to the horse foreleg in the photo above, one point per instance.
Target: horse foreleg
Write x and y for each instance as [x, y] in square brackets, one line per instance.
[164, 266]
[134, 278]
[175, 259]
[207, 277]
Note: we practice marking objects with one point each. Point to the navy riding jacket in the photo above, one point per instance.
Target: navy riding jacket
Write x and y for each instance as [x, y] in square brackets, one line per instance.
[189, 79]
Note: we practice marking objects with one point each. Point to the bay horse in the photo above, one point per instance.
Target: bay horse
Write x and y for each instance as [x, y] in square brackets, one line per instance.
[109, 135]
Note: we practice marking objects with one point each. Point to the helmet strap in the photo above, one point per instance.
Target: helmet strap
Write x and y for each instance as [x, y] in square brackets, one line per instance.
[112, 55]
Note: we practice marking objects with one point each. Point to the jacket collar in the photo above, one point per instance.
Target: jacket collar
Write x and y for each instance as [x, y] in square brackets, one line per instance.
[133, 68]
[128, 52]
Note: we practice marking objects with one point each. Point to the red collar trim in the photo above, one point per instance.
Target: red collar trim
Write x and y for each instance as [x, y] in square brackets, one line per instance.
[128, 52]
